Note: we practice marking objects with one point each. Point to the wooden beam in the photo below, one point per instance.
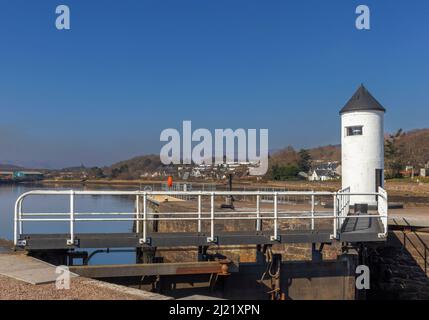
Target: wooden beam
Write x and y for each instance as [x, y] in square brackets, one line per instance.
[131, 270]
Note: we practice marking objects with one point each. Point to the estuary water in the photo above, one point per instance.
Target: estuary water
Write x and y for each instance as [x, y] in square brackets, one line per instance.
[55, 204]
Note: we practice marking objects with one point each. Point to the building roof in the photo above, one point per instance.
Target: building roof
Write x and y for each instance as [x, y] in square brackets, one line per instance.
[326, 166]
[362, 100]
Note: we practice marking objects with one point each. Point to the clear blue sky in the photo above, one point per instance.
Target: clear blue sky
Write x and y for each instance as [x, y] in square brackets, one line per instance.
[104, 91]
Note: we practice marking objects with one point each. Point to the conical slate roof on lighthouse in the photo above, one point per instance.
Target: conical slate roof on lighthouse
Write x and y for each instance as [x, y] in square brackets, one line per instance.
[362, 100]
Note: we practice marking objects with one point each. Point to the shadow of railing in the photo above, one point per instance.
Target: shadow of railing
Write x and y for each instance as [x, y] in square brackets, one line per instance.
[399, 268]
[423, 247]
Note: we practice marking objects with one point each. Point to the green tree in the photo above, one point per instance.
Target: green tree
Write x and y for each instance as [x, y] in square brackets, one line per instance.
[304, 161]
[393, 155]
[281, 173]
[96, 172]
[115, 173]
[122, 171]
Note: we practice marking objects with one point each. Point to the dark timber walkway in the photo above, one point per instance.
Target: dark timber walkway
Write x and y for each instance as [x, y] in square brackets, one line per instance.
[361, 229]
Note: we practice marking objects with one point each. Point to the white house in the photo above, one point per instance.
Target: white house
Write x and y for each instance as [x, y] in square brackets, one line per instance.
[322, 175]
[323, 171]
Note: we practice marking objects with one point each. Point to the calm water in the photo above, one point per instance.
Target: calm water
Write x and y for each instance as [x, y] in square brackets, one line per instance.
[51, 204]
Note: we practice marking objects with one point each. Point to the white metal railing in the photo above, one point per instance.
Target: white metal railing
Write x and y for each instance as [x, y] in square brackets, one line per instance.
[141, 216]
[343, 200]
[383, 206]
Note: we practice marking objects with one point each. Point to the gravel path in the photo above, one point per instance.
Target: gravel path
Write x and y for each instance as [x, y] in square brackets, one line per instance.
[80, 289]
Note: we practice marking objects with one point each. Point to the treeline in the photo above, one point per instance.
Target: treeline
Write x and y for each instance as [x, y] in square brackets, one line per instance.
[401, 149]
[406, 149]
[135, 168]
[281, 172]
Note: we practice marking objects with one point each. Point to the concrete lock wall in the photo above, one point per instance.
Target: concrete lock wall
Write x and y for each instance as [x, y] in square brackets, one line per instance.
[301, 277]
[299, 280]
[362, 154]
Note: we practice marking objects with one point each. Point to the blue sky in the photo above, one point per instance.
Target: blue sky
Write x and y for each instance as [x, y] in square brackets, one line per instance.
[104, 90]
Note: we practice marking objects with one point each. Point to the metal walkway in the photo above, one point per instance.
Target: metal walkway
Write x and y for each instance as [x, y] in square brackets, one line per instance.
[270, 222]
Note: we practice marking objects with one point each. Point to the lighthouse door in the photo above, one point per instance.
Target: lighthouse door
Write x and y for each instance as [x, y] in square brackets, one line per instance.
[378, 179]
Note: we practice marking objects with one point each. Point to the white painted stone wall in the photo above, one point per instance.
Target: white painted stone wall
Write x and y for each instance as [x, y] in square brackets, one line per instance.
[362, 154]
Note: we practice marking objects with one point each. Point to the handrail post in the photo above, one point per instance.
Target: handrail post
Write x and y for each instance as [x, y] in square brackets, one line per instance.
[212, 218]
[334, 236]
[312, 211]
[15, 225]
[71, 241]
[386, 208]
[199, 212]
[275, 237]
[137, 214]
[258, 213]
[383, 209]
[18, 225]
[144, 239]
[21, 227]
[340, 208]
[344, 207]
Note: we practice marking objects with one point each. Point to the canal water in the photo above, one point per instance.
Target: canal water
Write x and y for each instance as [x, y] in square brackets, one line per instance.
[55, 204]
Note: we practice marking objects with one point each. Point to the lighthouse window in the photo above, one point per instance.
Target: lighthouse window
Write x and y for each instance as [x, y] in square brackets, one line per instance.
[354, 131]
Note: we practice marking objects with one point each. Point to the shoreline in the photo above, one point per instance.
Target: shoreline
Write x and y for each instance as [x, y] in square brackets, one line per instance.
[408, 192]
[298, 185]
[393, 186]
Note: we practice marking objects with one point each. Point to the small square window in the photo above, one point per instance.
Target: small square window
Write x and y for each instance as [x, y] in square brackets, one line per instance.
[354, 131]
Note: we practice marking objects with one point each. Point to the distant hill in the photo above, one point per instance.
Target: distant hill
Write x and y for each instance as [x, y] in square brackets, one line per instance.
[289, 155]
[284, 156]
[10, 167]
[414, 145]
[135, 167]
[74, 169]
[326, 153]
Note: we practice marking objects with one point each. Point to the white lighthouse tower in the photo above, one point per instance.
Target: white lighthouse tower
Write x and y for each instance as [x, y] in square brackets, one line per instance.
[362, 146]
